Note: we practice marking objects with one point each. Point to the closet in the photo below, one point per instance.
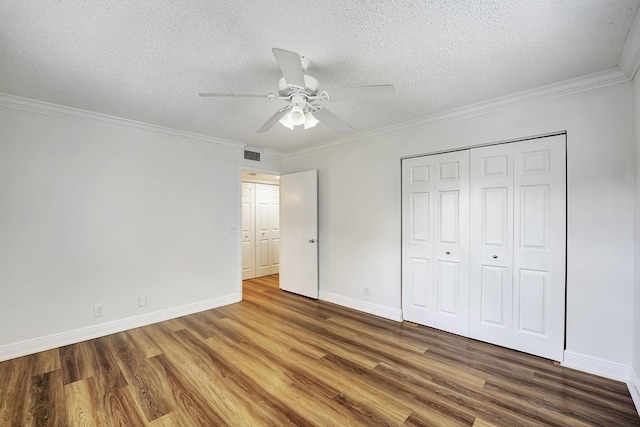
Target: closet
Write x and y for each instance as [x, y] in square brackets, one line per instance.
[484, 243]
[260, 229]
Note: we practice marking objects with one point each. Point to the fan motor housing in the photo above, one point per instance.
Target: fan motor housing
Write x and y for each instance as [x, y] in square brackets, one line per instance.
[310, 89]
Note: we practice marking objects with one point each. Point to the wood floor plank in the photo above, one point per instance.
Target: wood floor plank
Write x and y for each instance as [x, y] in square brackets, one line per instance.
[145, 341]
[83, 404]
[148, 384]
[46, 400]
[121, 408]
[75, 362]
[197, 409]
[172, 419]
[14, 394]
[106, 370]
[277, 358]
[45, 361]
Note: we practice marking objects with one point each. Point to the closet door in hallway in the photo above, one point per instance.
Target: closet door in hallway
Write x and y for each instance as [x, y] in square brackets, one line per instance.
[248, 212]
[260, 230]
[267, 229]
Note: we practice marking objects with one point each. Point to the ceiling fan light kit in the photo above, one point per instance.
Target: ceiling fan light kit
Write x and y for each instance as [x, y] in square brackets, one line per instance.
[306, 102]
[310, 120]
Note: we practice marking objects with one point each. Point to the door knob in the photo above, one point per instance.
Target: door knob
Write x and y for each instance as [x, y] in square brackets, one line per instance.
[312, 240]
[495, 257]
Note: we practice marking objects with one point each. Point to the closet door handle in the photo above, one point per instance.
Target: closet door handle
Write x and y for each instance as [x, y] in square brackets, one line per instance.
[447, 253]
[495, 257]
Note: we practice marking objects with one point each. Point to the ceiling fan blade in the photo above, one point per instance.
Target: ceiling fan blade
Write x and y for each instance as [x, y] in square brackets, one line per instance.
[361, 93]
[273, 120]
[236, 94]
[331, 120]
[291, 66]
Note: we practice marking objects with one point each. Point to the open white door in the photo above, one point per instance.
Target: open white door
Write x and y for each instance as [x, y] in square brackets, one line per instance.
[299, 233]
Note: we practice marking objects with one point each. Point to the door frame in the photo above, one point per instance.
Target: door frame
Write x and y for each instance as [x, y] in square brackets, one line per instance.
[238, 221]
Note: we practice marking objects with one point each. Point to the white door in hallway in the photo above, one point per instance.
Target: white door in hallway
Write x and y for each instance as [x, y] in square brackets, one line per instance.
[435, 270]
[299, 233]
[267, 229]
[248, 231]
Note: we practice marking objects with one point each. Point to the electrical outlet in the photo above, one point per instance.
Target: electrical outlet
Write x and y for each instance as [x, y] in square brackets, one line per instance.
[98, 310]
[365, 291]
[142, 301]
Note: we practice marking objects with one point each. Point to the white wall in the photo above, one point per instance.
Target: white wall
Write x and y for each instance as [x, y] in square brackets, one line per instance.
[359, 210]
[93, 213]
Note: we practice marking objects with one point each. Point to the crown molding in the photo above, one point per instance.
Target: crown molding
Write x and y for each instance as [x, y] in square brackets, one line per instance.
[41, 107]
[630, 57]
[567, 87]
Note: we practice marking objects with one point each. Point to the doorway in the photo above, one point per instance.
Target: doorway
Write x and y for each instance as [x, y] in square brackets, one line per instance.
[260, 224]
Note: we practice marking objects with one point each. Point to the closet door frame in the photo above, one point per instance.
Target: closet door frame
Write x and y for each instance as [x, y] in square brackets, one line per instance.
[520, 338]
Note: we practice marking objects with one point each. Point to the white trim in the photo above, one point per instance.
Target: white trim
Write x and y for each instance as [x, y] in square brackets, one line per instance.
[634, 389]
[580, 84]
[70, 337]
[62, 111]
[593, 365]
[629, 60]
[364, 306]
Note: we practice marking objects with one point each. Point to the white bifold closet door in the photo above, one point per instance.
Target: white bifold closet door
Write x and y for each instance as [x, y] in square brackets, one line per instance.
[518, 240]
[267, 229]
[260, 230]
[248, 230]
[514, 292]
[436, 241]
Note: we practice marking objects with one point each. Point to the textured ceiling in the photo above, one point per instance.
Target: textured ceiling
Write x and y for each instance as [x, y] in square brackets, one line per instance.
[147, 61]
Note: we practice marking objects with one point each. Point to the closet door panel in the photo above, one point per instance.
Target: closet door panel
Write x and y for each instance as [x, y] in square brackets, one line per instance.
[493, 304]
[540, 245]
[491, 257]
[274, 230]
[531, 307]
[451, 242]
[420, 282]
[267, 229]
[436, 241]
[418, 178]
[449, 289]
[248, 213]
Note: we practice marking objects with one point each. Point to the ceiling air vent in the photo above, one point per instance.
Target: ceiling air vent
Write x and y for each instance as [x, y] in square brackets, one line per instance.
[252, 155]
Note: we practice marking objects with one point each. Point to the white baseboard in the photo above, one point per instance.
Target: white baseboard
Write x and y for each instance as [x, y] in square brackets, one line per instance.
[364, 306]
[634, 389]
[36, 345]
[593, 365]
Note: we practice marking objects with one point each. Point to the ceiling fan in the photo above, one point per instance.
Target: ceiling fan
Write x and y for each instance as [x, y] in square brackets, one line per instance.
[306, 101]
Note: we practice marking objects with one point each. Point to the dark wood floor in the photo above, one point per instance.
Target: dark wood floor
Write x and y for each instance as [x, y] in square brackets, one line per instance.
[281, 359]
